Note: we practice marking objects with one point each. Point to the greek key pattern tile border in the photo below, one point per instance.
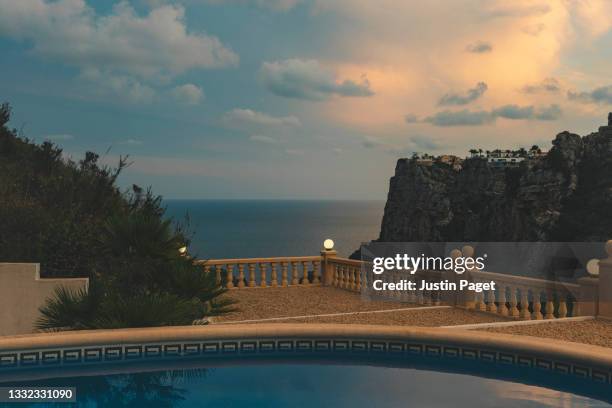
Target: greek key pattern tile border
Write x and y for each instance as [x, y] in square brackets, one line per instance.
[245, 347]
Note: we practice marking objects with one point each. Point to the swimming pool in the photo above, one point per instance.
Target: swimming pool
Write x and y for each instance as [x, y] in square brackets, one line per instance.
[309, 365]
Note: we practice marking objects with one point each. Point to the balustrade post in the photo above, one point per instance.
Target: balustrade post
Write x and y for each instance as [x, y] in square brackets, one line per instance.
[562, 311]
[481, 305]
[241, 275]
[263, 274]
[284, 272]
[469, 297]
[514, 312]
[294, 273]
[491, 306]
[305, 280]
[336, 280]
[537, 306]
[502, 308]
[316, 270]
[273, 275]
[358, 279]
[587, 303]
[524, 312]
[605, 284]
[549, 312]
[252, 275]
[327, 269]
[230, 276]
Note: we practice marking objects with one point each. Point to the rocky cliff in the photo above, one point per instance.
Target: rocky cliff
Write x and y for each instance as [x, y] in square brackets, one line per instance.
[564, 196]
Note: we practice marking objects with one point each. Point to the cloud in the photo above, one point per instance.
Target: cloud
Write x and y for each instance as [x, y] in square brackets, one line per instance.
[460, 118]
[247, 119]
[132, 142]
[157, 44]
[425, 143]
[513, 112]
[479, 47]
[188, 93]
[516, 10]
[482, 117]
[126, 87]
[601, 95]
[411, 118]
[307, 79]
[262, 139]
[371, 143]
[470, 96]
[552, 112]
[273, 5]
[551, 85]
[294, 152]
[59, 137]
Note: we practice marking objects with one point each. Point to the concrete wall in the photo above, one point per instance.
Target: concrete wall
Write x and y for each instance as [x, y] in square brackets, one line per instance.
[22, 292]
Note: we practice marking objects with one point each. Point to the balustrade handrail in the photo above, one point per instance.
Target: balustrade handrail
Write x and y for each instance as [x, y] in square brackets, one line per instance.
[278, 259]
[345, 261]
[524, 280]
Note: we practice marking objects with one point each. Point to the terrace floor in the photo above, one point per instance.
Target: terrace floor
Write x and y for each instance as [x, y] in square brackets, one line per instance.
[597, 332]
[319, 304]
[331, 305]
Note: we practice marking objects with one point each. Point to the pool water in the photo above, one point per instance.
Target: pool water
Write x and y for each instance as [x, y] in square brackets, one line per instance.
[309, 385]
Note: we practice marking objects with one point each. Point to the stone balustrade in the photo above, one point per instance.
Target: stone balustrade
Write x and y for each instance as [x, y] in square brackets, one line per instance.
[525, 298]
[514, 296]
[347, 274]
[265, 272]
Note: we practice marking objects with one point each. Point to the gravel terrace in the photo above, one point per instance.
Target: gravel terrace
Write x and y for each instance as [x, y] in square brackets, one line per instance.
[596, 332]
[265, 303]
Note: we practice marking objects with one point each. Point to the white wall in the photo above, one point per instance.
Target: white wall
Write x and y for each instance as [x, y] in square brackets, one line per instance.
[22, 292]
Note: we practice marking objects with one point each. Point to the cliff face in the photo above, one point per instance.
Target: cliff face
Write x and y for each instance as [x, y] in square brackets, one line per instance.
[564, 196]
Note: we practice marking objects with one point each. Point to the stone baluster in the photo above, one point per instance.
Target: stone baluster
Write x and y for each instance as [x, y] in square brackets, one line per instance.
[412, 297]
[295, 280]
[502, 309]
[241, 275]
[342, 276]
[358, 280]
[514, 312]
[491, 306]
[336, 275]
[217, 273]
[427, 296]
[263, 274]
[284, 271]
[273, 275]
[316, 270]
[537, 305]
[252, 282]
[437, 298]
[524, 312]
[230, 276]
[480, 302]
[549, 312]
[562, 310]
[305, 280]
[352, 280]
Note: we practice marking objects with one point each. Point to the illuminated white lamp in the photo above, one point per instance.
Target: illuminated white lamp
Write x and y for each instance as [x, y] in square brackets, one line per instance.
[182, 250]
[328, 244]
[592, 267]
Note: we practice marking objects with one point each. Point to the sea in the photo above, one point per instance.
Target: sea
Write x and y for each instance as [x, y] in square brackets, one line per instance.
[269, 228]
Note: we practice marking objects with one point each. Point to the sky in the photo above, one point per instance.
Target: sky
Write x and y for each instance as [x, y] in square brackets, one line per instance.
[299, 99]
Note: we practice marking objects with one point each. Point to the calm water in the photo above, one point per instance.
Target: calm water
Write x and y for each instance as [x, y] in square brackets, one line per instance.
[262, 228]
[303, 385]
